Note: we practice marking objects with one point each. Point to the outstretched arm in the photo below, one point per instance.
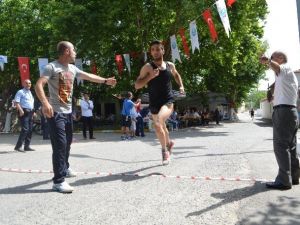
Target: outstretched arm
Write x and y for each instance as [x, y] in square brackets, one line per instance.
[146, 74]
[97, 79]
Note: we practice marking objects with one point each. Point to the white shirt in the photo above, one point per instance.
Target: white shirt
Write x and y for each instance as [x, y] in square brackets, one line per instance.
[286, 87]
[86, 108]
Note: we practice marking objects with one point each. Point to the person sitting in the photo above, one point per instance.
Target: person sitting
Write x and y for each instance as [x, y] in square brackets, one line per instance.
[173, 120]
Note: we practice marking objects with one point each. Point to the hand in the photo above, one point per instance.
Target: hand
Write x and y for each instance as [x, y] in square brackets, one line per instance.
[21, 113]
[264, 60]
[181, 90]
[154, 73]
[47, 110]
[111, 81]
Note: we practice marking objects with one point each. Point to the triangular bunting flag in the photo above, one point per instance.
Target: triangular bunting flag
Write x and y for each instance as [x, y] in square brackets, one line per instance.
[194, 36]
[174, 49]
[184, 42]
[127, 61]
[24, 68]
[207, 17]
[230, 2]
[223, 15]
[78, 64]
[42, 63]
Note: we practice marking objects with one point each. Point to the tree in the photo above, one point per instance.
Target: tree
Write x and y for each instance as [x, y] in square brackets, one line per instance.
[101, 28]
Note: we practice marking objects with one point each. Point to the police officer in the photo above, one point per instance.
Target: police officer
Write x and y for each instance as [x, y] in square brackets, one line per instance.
[24, 102]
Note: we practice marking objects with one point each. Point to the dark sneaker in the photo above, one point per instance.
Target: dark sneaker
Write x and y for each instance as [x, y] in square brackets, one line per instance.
[165, 157]
[170, 147]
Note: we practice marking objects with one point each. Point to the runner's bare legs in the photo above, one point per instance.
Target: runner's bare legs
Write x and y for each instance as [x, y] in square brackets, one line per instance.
[159, 121]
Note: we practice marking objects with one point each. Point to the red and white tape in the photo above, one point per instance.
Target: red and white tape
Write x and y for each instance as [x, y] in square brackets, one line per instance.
[140, 175]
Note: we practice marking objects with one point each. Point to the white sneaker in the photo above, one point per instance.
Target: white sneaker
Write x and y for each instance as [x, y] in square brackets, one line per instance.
[63, 187]
[71, 173]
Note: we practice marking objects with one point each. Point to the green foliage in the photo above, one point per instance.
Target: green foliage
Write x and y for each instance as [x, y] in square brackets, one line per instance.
[100, 29]
[254, 97]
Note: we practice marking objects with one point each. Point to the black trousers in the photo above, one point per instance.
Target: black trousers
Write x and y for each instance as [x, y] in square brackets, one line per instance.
[285, 125]
[87, 122]
[61, 135]
[26, 131]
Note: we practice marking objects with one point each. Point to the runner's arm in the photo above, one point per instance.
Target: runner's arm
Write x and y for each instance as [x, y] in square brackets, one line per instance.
[177, 77]
[144, 77]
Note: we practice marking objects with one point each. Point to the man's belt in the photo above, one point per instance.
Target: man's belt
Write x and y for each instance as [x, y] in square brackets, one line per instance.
[283, 106]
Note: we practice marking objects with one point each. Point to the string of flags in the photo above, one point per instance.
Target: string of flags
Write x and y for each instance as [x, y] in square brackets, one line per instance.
[194, 38]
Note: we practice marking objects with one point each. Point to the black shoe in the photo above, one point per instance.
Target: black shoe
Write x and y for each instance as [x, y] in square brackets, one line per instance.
[92, 138]
[295, 182]
[19, 150]
[29, 149]
[278, 186]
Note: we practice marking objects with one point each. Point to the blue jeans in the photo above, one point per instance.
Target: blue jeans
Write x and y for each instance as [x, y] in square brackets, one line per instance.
[139, 127]
[61, 135]
[26, 132]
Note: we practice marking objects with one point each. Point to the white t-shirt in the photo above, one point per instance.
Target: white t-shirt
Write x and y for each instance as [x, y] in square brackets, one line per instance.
[286, 87]
[86, 108]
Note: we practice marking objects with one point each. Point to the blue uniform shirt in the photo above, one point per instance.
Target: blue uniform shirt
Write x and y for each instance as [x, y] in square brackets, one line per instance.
[127, 106]
[25, 99]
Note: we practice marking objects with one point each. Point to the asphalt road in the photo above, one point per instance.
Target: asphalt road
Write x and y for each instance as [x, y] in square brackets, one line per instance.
[240, 149]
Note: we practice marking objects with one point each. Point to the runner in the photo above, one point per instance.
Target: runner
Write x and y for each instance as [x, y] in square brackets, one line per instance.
[157, 75]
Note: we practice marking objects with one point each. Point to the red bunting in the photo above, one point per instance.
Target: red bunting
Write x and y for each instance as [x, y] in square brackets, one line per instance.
[94, 68]
[24, 68]
[207, 17]
[230, 2]
[119, 62]
[184, 42]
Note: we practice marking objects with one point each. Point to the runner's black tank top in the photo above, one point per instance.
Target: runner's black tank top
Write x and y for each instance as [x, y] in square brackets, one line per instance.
[160, 87]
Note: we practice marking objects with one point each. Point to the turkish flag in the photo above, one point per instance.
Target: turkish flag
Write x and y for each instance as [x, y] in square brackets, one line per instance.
[119, 62]
[24, 68]
[94, 68]
[207, 17]
[184, 42]
[230, 2]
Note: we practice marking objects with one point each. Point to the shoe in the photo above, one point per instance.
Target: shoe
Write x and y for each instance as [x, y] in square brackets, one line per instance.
[123, 138]
[70, 173]
[29, 149]
[278, 186]
[295, 182]
[170, 147]
[165, 157]
[19, 150]
[63, 187]
[92, 138]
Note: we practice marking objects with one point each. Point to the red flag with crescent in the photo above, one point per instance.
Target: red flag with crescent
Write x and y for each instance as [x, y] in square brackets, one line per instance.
[208, 18]
[119, 62]
[184, 42]
[230, 2]
[24, 68]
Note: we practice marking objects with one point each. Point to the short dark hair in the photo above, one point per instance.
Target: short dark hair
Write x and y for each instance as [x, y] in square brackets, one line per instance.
[129, 94]
[62, 46]
[157, 42]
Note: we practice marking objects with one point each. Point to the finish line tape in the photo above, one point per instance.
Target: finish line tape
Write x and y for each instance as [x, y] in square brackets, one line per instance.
[139, 175]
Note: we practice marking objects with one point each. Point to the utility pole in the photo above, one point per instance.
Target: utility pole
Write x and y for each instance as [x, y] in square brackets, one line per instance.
[298, 12]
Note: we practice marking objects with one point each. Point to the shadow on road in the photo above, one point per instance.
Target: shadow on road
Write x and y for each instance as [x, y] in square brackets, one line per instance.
[121, 176]
[232, 196]
[26, 189]
[284, 211]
